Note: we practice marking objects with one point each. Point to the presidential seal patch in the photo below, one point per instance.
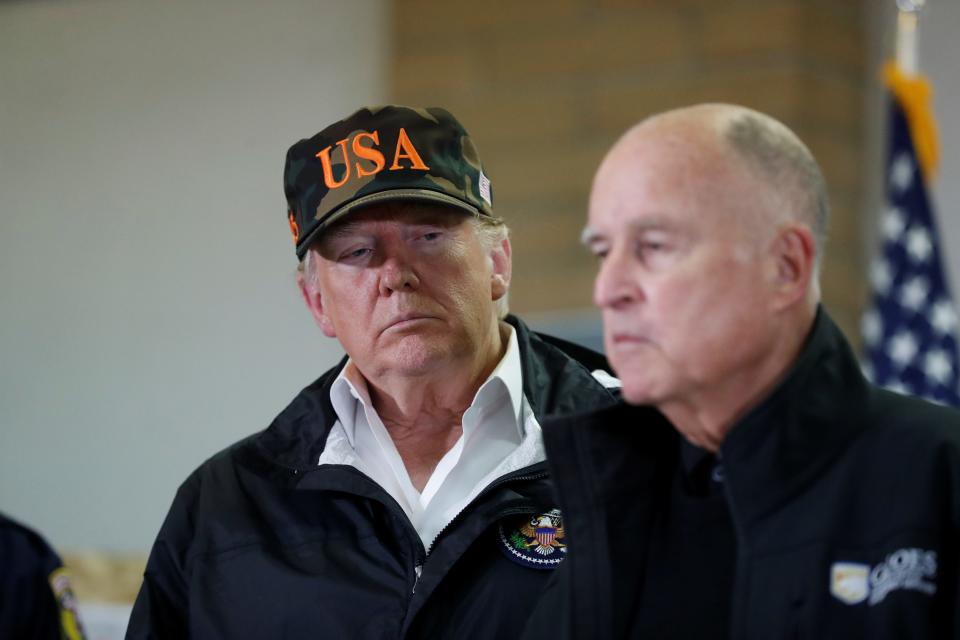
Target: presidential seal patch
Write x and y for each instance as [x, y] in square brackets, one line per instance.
[534, 541]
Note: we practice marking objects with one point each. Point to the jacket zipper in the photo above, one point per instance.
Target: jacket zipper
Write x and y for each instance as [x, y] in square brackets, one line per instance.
[417, 570]
[490, 487]
[392, 506]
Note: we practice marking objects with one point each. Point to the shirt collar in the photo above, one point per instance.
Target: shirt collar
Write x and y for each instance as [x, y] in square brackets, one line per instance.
[348, 394]
[349, 391]
[507, 378]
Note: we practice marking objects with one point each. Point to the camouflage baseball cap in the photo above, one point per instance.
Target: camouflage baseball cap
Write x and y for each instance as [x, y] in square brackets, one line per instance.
[380, 154]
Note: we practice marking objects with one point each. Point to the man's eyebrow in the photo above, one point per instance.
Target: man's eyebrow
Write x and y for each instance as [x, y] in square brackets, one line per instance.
[656, 223]
[590, 235]
[341, 229]
[433, 219]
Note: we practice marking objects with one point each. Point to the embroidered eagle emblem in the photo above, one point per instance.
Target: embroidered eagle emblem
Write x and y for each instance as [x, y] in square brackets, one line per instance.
[545, 532]
[535, 541]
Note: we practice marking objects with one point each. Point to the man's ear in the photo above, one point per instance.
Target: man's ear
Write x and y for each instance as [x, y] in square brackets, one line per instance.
[794, 259]
[502, 269]
[314, 301]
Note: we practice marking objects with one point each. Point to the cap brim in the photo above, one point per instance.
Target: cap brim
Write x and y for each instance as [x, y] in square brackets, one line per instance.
[410, 195]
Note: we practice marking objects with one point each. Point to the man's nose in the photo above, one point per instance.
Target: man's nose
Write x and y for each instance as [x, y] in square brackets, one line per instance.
[613, 286]
[397, 273]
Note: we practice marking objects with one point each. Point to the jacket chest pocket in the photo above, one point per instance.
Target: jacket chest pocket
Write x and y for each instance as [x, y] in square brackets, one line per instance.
[328, 588]
[884, 590]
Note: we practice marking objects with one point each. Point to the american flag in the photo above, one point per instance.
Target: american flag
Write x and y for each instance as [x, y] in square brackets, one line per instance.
[909, 331]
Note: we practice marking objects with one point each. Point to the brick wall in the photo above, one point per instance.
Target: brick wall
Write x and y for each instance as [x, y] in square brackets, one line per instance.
[545, 87]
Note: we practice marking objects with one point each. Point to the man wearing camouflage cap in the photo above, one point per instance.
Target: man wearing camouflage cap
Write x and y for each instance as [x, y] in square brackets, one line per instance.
[404, 493]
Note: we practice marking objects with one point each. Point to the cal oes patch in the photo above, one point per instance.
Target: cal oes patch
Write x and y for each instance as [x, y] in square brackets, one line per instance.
[534, 541]
[849, 582]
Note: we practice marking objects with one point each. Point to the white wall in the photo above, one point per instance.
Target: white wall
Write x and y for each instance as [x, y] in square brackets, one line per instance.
[148, 315]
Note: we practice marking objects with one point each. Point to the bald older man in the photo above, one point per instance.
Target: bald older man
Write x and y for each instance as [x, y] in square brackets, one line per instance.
[788, 497]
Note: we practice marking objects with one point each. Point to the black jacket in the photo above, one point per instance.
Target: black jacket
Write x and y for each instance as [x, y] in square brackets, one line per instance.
[845, 499]
[36, 601]
[261, 542]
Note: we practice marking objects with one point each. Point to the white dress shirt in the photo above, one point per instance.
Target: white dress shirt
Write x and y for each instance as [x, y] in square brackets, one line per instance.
[500, 435]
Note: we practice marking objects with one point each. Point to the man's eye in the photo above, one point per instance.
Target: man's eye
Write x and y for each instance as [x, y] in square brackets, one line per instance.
[597, 250]
[356, 253]
[430, 236]
[648, 247]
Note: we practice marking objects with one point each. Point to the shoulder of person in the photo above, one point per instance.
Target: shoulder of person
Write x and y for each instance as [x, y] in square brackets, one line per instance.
[914, 416]
[272, 448]
[910, 433]
[23, 550]
[545, 344]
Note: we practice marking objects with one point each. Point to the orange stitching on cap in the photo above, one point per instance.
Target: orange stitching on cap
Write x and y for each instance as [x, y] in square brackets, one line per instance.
[368, 153]
[404, 149]
[294, 228]
[409, 152]
[328, 170]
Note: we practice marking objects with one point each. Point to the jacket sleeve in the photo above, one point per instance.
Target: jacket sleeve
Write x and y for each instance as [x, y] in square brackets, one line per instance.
[955, 632]
[162, 607]
[949, 560]
[953, 579]
[576, 602]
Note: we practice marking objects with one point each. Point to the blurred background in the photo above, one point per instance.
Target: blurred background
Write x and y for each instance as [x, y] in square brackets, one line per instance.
[149, 311]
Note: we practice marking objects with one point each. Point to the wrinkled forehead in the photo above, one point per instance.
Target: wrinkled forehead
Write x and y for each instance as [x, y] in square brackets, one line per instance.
[684, 175]
[666, 151]
[659, 175]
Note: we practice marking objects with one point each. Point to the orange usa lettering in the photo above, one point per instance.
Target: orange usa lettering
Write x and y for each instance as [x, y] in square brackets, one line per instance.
[355, 148]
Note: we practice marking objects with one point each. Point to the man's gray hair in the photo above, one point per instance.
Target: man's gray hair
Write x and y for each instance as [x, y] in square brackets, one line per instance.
[780, 157]
[490, 231]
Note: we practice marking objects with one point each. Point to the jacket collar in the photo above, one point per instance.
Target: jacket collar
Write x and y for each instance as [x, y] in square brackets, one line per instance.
[786, 441]
[556, 379]
[626, 454]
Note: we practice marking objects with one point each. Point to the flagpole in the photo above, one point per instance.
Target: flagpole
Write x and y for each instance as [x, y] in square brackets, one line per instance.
[911, 88]
[907, 35]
